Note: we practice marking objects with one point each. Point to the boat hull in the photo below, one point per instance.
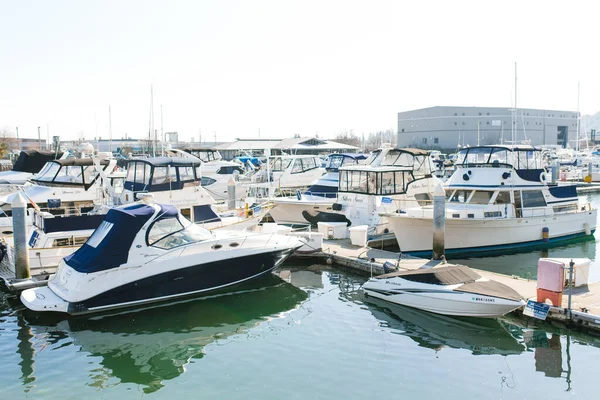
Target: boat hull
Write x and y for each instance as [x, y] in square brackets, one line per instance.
[290, 211]
[445, 302]
[415, 235]
[165, 286]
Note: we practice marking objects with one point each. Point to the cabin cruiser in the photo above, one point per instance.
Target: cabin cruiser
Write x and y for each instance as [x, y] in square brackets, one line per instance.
[69, 186]
[498, 198]
[451, 290]
[143, 253]
[29, 163]
[399, 178]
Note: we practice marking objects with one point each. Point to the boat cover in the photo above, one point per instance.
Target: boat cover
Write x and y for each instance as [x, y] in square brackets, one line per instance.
[490, 288]
[451, 275]
[109, 245]
[32, 161]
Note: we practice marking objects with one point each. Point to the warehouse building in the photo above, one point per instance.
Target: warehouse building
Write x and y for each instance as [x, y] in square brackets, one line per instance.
[448, 128]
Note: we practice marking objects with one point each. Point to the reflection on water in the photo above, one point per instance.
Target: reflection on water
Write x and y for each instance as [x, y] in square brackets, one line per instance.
[433, 331]
[152, 345]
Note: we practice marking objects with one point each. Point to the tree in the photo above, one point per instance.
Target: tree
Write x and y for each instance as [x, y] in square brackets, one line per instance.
[348, 137]
[7, 141]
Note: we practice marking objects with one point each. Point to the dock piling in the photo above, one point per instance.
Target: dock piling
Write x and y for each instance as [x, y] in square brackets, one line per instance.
[439, 222]
[19, 217]
[231, 194]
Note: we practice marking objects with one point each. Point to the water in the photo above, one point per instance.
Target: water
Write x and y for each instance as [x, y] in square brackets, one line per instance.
[312, 337]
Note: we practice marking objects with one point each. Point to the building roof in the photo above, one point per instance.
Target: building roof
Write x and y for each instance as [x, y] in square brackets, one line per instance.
[312, 143]
[247, 145]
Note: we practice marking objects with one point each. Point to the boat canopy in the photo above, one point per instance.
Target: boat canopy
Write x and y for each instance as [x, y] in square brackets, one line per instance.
[525, 157]
[33, 161]
[337, 160]
[70, 171]
[109, 245]
[416, 159]
[376, 181]
[300, 163]
[204, 154]
[161, 173]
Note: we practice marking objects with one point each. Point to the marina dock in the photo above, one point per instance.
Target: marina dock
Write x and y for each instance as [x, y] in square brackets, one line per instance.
[585, 301]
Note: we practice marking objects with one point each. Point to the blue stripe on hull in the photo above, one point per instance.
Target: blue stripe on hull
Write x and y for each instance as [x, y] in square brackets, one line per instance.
[184, 282]
[485, 250]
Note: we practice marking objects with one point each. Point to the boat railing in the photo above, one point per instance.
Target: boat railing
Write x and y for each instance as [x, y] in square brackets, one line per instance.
[424, 209]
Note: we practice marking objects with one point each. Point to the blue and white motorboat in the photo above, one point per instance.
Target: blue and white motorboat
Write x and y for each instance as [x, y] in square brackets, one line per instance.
[144, 253]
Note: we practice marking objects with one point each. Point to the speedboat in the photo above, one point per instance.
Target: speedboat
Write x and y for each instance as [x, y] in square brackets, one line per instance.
[453, 290]
[146, 252]
[498, 198]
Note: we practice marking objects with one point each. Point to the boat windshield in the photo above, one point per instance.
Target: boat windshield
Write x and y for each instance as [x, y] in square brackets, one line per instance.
[171, 232]
[373, 156]
[72, 174]
[279, 164]
[520, 158]
[48, 172]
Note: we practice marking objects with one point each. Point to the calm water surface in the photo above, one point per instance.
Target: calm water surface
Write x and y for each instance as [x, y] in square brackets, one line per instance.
[310, 336]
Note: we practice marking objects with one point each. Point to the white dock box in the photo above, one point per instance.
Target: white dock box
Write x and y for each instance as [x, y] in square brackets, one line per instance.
[358, 235]
[333, 230]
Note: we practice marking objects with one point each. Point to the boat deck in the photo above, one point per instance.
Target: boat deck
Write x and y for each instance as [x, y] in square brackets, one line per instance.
[585, 301]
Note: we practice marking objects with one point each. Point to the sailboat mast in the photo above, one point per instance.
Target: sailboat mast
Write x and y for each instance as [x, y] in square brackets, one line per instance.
[109, 130]
[578, 117]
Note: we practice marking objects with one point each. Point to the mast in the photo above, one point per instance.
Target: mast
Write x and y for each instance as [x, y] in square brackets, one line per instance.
[578, 117]
[151, 124]
[109, 130]
[162, 134]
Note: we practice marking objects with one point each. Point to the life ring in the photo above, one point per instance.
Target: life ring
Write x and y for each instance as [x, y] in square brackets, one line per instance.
[543, 177]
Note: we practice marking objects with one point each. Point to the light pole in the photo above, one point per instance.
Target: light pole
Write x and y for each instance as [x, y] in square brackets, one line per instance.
[39, 138]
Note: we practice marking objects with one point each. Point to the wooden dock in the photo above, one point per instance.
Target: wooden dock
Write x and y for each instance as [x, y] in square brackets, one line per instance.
[585, 301]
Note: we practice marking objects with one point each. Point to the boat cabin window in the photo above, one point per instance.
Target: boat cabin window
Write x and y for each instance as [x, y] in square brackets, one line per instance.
[304, 164]
[480, 155]
[533, 198]
[502, 198]
[424, 199]
[372, 157]
[279, 164]
[206, 181]
[229, 170]
[186, 174]
[165, 174]
[459, 196]
[481, 197]
[337, 161]
[48, 173]
[528, 159]
[70, 174]
[171, 232]
[138, 172]
[371, 182]
[499, 156]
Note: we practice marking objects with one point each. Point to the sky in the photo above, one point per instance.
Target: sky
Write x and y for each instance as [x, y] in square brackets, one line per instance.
[275, 68]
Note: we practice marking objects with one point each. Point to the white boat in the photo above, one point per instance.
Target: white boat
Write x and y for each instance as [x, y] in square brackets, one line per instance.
[29, 163]
[451, 290]
[396, 178]
[69, 186]
[144, 253]
[498, 198]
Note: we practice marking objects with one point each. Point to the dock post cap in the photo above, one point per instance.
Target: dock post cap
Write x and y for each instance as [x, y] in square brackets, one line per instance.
[18, 201]
[439, 191]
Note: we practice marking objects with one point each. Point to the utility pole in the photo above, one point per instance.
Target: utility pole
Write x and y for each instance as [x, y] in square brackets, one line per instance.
[47, 136]
[215, 133]
[39, 139]
[162, 134]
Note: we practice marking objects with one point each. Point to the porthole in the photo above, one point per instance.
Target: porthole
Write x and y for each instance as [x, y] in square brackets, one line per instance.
[234, 244]
[216, 246]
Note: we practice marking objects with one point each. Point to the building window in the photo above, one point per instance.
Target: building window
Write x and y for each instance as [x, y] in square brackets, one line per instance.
[456, 123]
[463, 123]
[436, 140]
[487, 123]
[463, 114]
[487, 113]
[455, 114]
[479, 113]
[402, 129]
[424, 140]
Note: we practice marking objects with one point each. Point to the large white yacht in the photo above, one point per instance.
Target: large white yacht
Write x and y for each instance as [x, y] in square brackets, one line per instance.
[498, 198]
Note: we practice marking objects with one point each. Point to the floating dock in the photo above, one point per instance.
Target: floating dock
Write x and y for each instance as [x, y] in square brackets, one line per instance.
[585, 300]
